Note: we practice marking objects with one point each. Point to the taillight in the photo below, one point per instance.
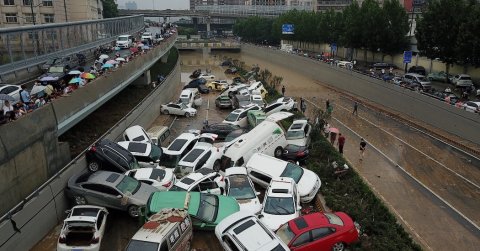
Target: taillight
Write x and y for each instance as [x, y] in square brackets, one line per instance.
[62, 239]
[167, 185]
[221, 178]
[95, 240]
[93, 149]
[300, 154]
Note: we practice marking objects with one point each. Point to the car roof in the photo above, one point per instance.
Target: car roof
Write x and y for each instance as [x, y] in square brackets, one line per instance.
[136, 148]
[185, 136]
[194, 155]
[146, 173]
[281, 187]
[315, 220]
[267, 163]
[105, 177]
[159, 225]
[192, 179]
[174, 199]
[236, 170]
[298, 125]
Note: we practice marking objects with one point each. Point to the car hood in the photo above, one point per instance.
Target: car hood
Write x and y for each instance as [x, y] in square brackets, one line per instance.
[52, 74]
[226, 207]
[190, 110]
[144, 193]
[298, 142]
[250, 205]
[275, 221]
[307, 183]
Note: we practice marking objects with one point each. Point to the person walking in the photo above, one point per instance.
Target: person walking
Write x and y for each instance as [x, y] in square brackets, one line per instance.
[303, 107]
[327, 104]
[283, 91]
[341, 143]
[330, 109]
[355, 108]
[363, 144]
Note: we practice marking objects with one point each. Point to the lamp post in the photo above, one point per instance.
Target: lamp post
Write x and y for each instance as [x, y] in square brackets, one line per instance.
[31, 9]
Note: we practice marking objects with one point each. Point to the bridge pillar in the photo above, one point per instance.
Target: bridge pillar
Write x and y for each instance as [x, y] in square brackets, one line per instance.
[195, 22]
[164, 19]
[209, 33]
[206, 51]
[144, 79]
[164, 58]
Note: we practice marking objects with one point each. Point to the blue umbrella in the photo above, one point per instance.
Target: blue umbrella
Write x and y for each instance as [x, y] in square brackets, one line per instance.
[6, 97]
[117, 48]
[75, 81]
[107, 66]
[145, 47]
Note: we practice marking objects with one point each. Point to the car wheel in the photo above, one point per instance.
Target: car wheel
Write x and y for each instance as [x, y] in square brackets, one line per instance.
[133, 211]
[80, 200]
[216, 165]
[165, 112]
[93, 166]
[278, 152]
[187, 114]
[339, 246]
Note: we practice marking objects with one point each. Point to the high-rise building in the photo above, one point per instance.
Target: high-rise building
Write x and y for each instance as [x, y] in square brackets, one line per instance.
[323, 5]
[30, 12]
[194, 3]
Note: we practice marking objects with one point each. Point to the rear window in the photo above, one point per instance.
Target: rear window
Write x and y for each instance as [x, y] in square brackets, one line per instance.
[177, 144]
[296, 126]
[243, 227]
[89, 212]
[157, 174]
[137, 147]
[278, 248]
[334, 219]
[466, 78]
[136, 245]
[193, 155]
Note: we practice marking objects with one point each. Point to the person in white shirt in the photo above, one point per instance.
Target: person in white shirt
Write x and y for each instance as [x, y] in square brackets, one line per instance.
[7, 107]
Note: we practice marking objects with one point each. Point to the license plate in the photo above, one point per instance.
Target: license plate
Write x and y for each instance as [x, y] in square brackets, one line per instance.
[76, 249]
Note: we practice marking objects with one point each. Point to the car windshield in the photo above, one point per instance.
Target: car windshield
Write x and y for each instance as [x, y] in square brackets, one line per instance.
[177, 188]
[208, 207]
[155, 153]
[184, 100]
[422, 79]
[285, 233]
[56, 69]
[232, 117]
[128, 185]
[240, 188]
[279, 205]
[258, 102]
[297, 134]
[136, 245]
[122, 39]
[465, 78]
[169, 161]
[293, 171]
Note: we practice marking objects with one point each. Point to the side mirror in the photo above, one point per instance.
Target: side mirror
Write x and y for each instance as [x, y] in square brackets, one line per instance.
[260, 216]
[299, 208]
[151, 163]
[68, 211]
[203, 225]
[119, 196]
[157, 161]
[257, 193]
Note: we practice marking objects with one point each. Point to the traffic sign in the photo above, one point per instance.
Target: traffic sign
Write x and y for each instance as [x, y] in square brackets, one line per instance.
[334, 47]
[288, 29]
[407, 57]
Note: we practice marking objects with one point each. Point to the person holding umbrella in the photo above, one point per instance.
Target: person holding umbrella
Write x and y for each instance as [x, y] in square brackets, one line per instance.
[333, 135]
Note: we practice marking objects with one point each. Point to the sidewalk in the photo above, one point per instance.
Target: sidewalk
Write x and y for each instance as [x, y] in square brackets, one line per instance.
[429, 222]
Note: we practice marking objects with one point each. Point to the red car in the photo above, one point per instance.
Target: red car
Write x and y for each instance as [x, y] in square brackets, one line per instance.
[319, 231]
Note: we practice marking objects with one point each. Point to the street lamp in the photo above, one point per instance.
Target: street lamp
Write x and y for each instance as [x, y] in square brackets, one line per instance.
[31, 8]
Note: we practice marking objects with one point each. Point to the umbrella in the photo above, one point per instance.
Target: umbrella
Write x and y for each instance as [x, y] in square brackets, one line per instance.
[75, 72]
[140, 45]
[334, 130]
[111, 62]
[117, 48]
[87, 75]
[48, 78]
[134, 49]
[49, 89]
[75, 81]
[120, 59]
[107, 66]
[145, 47]
[104, 56]
[6, 97]
[37, 89]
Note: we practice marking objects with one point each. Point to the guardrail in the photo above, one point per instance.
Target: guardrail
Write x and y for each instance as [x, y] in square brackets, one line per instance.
[29, 46]
[29, 221]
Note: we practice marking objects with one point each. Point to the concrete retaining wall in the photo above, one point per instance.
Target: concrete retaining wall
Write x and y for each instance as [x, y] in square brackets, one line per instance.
[423, 108]
[45, 209]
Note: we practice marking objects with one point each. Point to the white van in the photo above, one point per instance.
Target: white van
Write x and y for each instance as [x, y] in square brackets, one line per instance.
[158, 134]
[263, 168]
[267, 137]
[136, 133]
[191, 97]
[124, 41]
[168, 230]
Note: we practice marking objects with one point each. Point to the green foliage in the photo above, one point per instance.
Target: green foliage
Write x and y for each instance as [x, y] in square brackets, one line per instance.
[186, 31]
[468, 41]
[110, 9]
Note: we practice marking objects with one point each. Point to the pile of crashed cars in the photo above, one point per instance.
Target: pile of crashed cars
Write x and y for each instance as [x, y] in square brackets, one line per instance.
[207, 179]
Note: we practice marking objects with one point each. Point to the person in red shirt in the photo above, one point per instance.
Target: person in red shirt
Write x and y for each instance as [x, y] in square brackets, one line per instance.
[341, 143]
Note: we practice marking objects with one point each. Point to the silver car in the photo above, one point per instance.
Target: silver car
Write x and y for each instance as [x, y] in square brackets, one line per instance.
[109, 189]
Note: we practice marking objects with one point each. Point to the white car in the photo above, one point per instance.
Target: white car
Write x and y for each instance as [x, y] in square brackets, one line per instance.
[462, 80]
[299, 133]
[147, 35]
[281, 203]
[124, 41]
[257, 99]
[472, 106]
[258, 89]
[178, 149]
[204, 180]
[263, 168]
[11, 90]
[178, 109]
[162, 179]
[203, 154]
[344, 64]
[239, 117]
[207, 76]
[136, 133]
[83, 229]
[244, 231]
[281, 104]
[239, 186]
[146, 154]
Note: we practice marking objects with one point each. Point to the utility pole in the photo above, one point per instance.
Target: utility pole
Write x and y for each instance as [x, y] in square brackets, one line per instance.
[33, 15]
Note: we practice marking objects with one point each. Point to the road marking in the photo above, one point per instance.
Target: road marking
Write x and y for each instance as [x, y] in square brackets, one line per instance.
[407, 173]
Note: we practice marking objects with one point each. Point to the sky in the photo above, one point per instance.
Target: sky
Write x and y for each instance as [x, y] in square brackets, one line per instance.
[159, 4]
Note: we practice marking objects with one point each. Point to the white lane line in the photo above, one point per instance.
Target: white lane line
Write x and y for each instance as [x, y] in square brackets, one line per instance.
[416, 149]
[407, 173]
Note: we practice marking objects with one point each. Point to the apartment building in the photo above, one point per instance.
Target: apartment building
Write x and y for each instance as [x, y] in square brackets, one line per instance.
[15, 13]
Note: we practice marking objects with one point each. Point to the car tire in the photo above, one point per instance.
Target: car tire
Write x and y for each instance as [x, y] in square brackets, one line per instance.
[216, 165]
[79, 200]
[278, 152]
[93, 166]
[339, 246]
[187, 115]
[166, 112]
[133, 211]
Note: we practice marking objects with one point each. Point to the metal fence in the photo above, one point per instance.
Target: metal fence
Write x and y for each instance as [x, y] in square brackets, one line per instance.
[250, 10]
[28, 46]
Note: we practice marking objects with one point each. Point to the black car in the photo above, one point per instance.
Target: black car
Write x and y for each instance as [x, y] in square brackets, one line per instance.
[231, 70]
[382, 65]
[106, 154]
[226, 63]
[418, 69]
[235, 134]
[295, 153]
[203, 89]
[221, 129]
[195, 83]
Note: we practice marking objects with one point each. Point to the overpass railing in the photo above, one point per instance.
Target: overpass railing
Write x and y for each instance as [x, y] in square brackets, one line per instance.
[29, 46]
[250, 10]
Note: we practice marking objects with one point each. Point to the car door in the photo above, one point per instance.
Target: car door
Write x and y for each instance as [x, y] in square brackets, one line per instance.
[323, 237]
[242, 119]
[101, 195]
[175, 109]
[197, 100]
[308, 130]
[302, 243]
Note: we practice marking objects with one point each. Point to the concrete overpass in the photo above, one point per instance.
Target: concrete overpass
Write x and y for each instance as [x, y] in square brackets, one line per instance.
[207, 45]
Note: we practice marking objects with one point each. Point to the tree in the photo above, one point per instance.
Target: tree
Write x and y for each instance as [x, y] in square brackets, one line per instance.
[373, 26]
[468, 41]
[110, 9]
[397, 27]
[438, 30]
[352, 35]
